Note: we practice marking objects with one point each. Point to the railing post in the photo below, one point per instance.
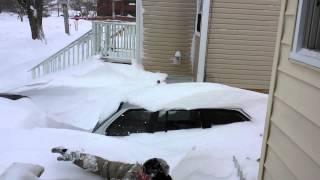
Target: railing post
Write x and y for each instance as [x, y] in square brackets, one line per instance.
[82, 53]
[87, 48]
[94, 38]
[108, 38]
[99, 33]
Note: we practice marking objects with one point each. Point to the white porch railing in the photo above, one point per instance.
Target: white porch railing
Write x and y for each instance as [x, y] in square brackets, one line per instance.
[75, 53]
[115, 41]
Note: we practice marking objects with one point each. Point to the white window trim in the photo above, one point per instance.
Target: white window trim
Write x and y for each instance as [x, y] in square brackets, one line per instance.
[299, 54]
[203, 41]
[139, 31]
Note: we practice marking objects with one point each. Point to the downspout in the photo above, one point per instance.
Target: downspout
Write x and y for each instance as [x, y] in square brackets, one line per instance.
[203, 40]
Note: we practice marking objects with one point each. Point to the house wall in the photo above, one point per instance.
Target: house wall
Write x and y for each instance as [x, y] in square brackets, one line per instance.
[168, 27]
[241, 42]
[291, 148]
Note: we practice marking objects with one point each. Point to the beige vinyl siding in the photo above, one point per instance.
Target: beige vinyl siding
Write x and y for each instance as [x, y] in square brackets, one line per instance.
[168, 27]
[241, 42]
[291, 148]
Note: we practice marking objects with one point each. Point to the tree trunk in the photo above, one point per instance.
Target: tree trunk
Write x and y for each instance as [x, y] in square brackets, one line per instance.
[66, 18]
[34, 10]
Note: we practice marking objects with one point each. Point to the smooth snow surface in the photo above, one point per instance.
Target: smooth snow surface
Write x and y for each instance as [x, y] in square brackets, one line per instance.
[21, 113]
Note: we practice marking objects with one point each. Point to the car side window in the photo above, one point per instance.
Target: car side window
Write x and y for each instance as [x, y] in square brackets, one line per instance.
[211, 117]
[131, 121]
[177, 119]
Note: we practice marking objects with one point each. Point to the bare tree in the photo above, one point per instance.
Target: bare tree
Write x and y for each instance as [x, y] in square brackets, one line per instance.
[34, 9]
[66, 16]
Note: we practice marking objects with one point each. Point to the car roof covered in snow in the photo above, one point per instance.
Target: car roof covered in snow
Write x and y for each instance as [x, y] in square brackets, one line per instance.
[194, 96]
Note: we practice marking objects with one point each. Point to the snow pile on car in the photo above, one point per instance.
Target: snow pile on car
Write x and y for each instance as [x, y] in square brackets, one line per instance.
[194, 96]
[79, 97]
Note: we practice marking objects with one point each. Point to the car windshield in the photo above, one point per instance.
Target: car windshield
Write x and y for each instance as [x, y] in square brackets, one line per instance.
[143, 121]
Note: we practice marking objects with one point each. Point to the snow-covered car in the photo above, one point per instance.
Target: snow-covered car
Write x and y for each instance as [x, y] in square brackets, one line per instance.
[192, 154]
[134, 119]
[178, 106]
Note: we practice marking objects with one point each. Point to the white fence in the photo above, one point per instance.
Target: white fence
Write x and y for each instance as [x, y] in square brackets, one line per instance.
[115, 40]
[75, 53]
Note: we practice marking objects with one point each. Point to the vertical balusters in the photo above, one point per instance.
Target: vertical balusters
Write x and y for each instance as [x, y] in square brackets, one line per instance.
[78, 51]
[117, 40]
[112, 39]
[94, 35]
[64, 60]
[59, 62]
[130, 41]
[69, 57]
[135, 41]
[73, 55]
[122, 40]
[33, 73]
[108, 38]
[87, 52]
[82, 53]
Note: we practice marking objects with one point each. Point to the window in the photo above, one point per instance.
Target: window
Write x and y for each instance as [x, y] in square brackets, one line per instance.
[311, 34]
[143, 121]
[132, 121]
[306, 48]
[182, 119]
[211, 117]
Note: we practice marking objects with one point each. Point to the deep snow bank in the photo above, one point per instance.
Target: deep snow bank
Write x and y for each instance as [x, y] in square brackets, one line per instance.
[22, 113]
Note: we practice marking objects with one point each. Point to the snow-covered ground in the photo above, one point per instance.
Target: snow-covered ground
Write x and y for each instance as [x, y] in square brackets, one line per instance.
[18, 53]
[80, 96]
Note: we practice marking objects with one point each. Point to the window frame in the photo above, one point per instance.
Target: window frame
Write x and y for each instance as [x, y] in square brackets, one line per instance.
[299, 53]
